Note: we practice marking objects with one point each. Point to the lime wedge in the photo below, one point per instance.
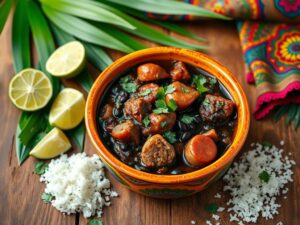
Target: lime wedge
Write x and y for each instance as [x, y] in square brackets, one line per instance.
[67, 61]
[67, 110]
[30, 90]
[52, 145]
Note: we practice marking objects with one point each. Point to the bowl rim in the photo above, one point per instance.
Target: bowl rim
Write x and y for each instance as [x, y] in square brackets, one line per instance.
[195, 57]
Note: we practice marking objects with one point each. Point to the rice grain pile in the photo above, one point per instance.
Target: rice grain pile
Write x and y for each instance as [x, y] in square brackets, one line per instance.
[78, 184]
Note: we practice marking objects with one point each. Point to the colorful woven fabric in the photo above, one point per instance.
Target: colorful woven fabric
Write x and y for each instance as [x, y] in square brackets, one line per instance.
[271, 50]
[272, 54]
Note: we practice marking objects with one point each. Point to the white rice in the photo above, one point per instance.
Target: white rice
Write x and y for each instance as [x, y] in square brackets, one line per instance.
[78, 184]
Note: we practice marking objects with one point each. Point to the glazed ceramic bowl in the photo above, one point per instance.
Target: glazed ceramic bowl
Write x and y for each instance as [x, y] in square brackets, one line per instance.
[168, 186]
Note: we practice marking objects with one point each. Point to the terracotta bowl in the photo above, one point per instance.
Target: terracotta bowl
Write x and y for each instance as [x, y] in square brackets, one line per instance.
[168, 186]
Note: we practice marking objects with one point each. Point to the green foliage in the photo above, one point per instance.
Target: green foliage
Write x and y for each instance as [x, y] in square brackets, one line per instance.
[40, 167]
[5, 7]
[293, 114]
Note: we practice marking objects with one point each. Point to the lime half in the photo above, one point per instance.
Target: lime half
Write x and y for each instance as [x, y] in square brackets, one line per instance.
[52, 145]
[67, 61]
[30, 90]
[67, 110]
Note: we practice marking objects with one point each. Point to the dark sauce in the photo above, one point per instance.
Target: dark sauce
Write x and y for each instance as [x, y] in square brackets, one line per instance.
[131, 155]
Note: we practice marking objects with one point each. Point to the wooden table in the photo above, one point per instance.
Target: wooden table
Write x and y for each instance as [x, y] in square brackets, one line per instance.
[20, 189]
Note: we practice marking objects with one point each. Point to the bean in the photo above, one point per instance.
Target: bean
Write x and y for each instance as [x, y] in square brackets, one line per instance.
[122, 97]
[118, 112]
[185, 136]
[182, 126]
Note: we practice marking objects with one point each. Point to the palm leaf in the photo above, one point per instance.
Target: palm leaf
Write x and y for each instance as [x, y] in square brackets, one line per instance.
[43, 39]
[280, 111]
[84, 30]
[144, 31]
[297, 118]
[291, 114]
[20, 38]
[85, 80]
[77, 135]
[168, 25]
[5, 7]
[169, 7]
[86, 10]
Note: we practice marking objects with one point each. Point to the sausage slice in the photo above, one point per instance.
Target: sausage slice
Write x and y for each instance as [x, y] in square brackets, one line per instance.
[212, 134]
[151, 72]
[137, 108]
[160, 123]
[157, 152]
[179, 71]
[126, 132]
[200, 150]
[107, 112]
[183, 95]
[148, 92]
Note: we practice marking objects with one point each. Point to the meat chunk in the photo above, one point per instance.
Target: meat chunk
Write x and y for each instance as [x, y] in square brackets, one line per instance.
[137, 108]
[126, 132]
[212, 134]
[151, 72]
[200, 151]
[179, 71]
[157, 152]
[160, 123]
[148, 92]
[109, 124]
[106, 112]
[183, 95]
[216, 108]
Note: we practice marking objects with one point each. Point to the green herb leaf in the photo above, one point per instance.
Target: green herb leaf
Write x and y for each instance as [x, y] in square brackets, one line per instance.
[46, 197]
[163, 7]
[160, 93]
[163, 124]
[187, 119]
[77, 135]
[21, 38]
[40, 167]
[170, 136]
[211, 208]
[199, 81]
[219, 104]
[264, 176]
[130, 87]
[160, 110]
[169, 89]
[5, 7]
[267, 144]
[87, 9]
[160, 103]
[172, 105]
[94, 222]
[145, 93]
[206, 103]
[185, 90]
[84, 30]
[146, 121]
[212, 81]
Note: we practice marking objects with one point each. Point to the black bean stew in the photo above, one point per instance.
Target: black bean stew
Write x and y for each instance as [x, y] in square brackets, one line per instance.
[166, 118]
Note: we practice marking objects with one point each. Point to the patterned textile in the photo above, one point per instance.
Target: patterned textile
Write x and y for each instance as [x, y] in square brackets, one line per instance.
[271, 50]
[272, 55]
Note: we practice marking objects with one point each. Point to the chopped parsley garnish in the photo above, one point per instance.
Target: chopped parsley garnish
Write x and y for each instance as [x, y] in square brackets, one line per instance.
[169, 89]
[94, 222]
[46, 197]
[160, 93]
[187, 119]
[163, 124]
[264, 176]
[127, 85]
[145, 93]
[185, 90]
[266, 144]
[172, 105]
[146, 121]
[160, 103]
[206, 102]
[219, 104]
[40, 167]
[160, 110]
[199, 81]
[170, 136]
[211, 208]
[212, 81]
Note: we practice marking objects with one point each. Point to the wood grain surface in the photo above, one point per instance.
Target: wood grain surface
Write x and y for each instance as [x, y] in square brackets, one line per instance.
[20, 189]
